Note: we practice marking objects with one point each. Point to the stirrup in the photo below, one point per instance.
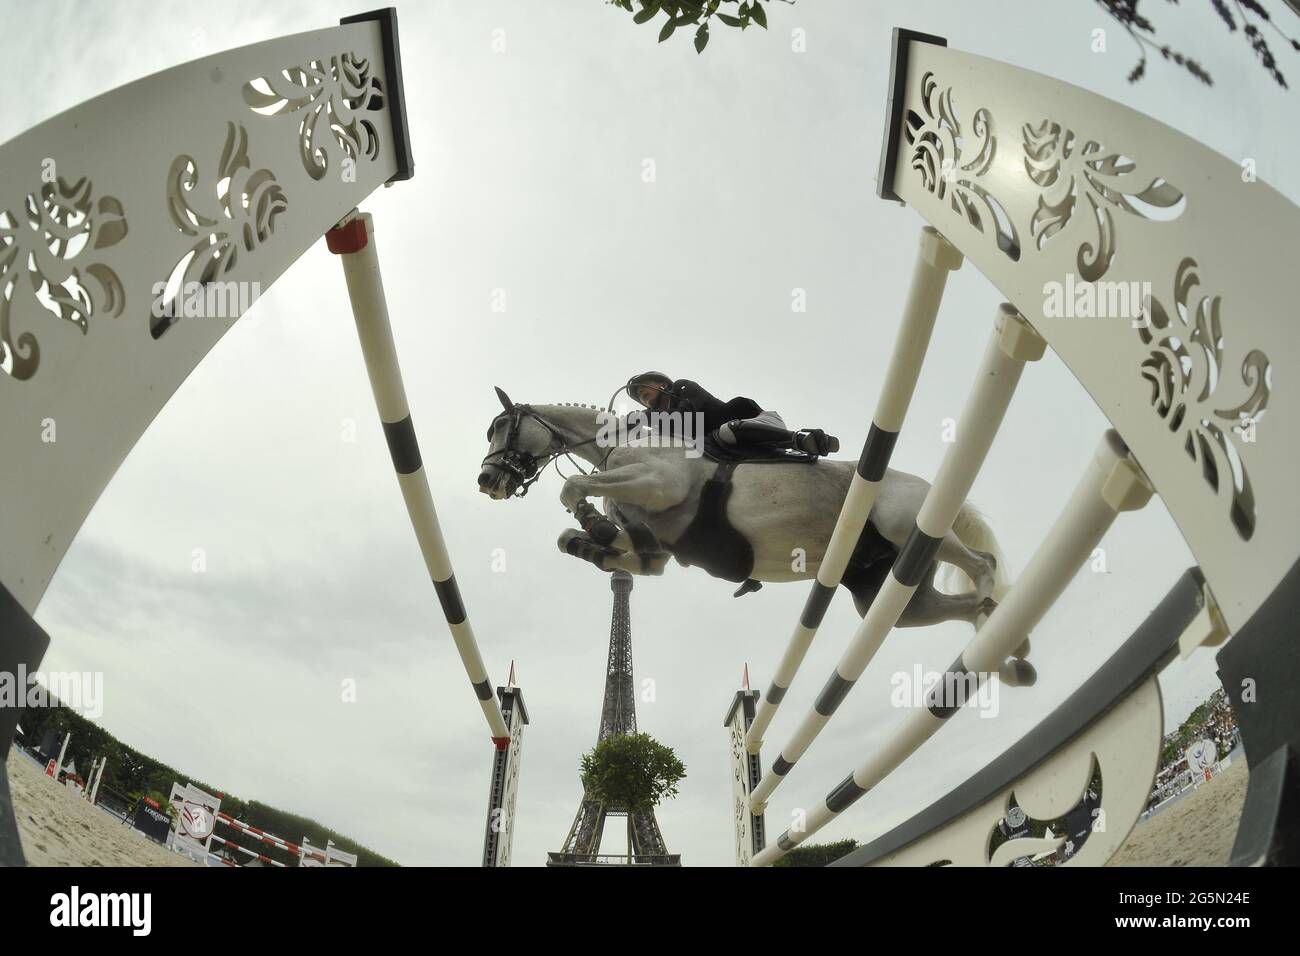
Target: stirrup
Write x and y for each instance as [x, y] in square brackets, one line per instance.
[749, 585]
[823, 444]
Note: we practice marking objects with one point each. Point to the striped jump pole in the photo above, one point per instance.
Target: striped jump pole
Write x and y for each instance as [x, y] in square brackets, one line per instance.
[935, 259]
[257, 833]
[1012, 344]
[1111, 484]
[298, 850]
[353, 241]
[253, 853]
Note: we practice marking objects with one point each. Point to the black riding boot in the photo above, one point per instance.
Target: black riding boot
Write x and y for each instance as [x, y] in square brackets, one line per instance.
[747, 432]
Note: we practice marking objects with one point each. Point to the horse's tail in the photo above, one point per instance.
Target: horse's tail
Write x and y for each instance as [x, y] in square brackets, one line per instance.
[976, 534]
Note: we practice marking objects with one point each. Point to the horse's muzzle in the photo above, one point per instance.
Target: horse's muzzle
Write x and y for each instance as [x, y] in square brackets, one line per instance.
[494, 484]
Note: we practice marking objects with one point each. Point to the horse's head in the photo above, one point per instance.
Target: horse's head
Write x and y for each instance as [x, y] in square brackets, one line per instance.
[519, 443]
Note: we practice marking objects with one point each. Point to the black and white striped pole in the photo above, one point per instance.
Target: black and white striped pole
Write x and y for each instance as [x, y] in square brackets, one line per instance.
[352, 240]
[1112, 483]
[935, 259]
[1012, 343]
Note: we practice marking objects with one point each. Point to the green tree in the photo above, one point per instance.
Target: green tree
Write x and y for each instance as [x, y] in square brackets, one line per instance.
[631, 772]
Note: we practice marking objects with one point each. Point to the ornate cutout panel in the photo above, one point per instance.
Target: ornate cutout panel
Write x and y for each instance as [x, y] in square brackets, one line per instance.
[1154, 269]
[1125, 744]
[136, 228]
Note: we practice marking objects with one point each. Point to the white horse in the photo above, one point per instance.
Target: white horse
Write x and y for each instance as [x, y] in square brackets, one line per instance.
[770, 522]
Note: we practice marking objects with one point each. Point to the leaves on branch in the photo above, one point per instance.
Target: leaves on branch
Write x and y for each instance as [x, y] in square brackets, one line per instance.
[1142, 31]
[701, 37]
[700, 13]
[631, 772]
[1236, 16]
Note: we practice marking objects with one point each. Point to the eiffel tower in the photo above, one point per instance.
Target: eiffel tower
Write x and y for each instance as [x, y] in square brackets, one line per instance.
[617, 717]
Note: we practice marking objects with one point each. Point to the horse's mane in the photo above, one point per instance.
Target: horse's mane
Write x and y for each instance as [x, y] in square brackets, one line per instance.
[598, 408]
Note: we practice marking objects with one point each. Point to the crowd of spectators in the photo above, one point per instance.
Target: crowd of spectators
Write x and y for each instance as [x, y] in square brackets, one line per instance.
[1214, 722]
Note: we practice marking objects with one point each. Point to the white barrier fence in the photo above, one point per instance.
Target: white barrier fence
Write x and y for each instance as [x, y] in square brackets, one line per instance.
[197, 815]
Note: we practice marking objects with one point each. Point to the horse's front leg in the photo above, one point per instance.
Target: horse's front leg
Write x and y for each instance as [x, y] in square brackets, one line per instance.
[574, 542]
[573, 496]
[630, 484]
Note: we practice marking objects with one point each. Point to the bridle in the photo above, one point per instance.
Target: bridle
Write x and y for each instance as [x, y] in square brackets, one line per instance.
[522, 468]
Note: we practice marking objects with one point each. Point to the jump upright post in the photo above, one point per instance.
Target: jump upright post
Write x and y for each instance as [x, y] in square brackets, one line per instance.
[746, 771]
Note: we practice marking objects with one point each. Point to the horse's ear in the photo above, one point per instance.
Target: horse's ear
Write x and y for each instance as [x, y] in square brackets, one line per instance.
[504, 399]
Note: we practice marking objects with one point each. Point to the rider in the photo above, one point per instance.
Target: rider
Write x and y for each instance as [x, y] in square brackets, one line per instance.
[739, 422]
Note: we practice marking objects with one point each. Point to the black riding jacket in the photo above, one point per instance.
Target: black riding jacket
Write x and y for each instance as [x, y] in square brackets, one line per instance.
[689, 397]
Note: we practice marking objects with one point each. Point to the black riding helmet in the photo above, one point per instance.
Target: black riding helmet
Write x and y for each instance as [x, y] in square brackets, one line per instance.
[656, 380]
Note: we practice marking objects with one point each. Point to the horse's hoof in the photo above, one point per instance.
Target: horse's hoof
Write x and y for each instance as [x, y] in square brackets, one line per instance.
[580, 546]
[654, 563]
[1022, 651]
[1018, 673]
[603, 531]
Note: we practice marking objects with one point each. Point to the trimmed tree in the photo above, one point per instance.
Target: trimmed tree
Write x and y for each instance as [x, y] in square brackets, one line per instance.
[631, 772]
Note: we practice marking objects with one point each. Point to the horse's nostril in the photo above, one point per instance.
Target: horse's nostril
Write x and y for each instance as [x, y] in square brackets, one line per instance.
[484, 479]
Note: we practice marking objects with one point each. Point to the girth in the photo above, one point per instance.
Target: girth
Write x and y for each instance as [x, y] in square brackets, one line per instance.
[710, 542]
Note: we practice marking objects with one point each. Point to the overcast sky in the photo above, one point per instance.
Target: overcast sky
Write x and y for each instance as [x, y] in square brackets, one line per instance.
[529, 180]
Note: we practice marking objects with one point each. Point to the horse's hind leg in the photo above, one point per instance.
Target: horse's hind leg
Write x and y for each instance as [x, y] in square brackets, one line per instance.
[930, 606]
[864, 582]
[979, 566]
[927, 605]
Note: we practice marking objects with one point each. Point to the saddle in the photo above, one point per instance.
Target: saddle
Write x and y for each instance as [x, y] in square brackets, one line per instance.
[715, 450]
